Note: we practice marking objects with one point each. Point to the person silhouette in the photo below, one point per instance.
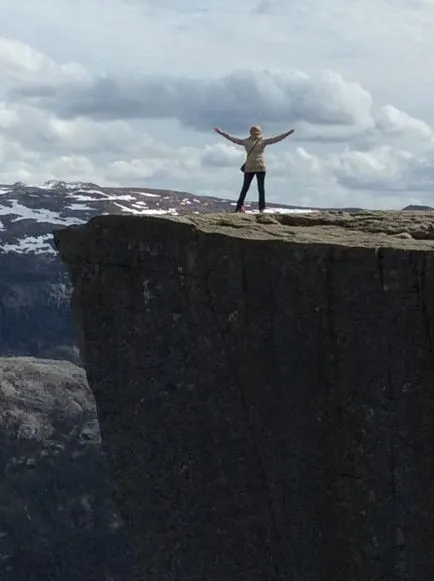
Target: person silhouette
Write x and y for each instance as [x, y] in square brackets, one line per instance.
[255, 163]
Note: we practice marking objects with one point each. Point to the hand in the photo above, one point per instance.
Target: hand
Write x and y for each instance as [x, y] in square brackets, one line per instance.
[217, 130]
[291, 131]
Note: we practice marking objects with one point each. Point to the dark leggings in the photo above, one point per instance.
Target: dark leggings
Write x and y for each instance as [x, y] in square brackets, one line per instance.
[248, 177]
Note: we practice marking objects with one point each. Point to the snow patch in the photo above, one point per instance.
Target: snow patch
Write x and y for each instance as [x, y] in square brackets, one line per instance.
[30, 245]
[41, 216]
[147, 211]
[56, 184]
[78, 207]
[147, 194]
[82, 198]
[90, 191]
[289, 211]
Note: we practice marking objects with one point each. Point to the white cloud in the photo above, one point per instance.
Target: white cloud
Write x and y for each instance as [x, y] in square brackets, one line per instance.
[121, 92]
[222, 155]
[324, 98]
[392, 121]
[22, 65]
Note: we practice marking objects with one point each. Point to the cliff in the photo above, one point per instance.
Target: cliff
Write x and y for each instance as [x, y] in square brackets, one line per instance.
[265, 390]
[57, 519]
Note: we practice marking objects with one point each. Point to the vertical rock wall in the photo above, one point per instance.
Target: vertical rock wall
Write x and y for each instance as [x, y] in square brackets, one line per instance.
[265, 392]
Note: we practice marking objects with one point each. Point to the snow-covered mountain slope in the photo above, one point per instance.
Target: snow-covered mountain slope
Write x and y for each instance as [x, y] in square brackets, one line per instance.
[29, 213]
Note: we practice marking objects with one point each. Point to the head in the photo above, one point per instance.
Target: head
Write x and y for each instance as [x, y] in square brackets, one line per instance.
[255, 132]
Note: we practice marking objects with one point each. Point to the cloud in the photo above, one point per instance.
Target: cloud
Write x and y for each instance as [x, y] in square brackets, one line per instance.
[239, 98]
[391, 121]
[324, 105]
[23, 66]
[221, 155]
[265, 7]
[381, 170]
[127, 92]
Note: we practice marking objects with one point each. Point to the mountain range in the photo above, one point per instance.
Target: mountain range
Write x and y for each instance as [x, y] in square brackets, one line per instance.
[29, 213]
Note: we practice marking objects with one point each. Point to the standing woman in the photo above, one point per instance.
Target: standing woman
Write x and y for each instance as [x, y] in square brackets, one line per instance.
[255, 161]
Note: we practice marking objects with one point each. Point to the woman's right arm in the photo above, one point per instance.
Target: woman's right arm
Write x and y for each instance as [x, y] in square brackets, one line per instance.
[236, 140]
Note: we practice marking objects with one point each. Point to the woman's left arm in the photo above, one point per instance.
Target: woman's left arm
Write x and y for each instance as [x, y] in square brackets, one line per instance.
[277, 138]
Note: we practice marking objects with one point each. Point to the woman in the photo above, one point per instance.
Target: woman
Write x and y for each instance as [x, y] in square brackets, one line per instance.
[255, 161]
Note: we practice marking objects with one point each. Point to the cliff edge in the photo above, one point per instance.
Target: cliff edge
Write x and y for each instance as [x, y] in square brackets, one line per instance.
[265, 390]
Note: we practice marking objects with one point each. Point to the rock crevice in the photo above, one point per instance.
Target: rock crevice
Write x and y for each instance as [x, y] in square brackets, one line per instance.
[265, 389]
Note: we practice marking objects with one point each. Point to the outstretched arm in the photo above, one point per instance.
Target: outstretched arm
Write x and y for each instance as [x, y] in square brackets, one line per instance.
[237, 140]
[278, 138]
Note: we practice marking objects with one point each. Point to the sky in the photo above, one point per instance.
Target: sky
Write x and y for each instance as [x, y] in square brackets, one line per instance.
[128, 92]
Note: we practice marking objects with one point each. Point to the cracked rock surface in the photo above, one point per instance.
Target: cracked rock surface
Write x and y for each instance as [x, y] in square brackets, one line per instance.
[265, 390]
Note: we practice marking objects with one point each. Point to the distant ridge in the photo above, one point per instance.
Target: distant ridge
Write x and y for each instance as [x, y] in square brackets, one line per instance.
[416, 208]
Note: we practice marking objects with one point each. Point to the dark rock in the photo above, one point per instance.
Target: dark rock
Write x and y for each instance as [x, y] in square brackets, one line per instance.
[265, 390]
[57, 518]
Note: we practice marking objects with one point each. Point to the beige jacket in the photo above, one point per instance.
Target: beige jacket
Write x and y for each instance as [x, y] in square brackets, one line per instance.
[255, 161]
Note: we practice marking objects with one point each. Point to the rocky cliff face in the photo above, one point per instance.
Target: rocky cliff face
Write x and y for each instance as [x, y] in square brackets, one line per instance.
[57, 520]
[265, 388]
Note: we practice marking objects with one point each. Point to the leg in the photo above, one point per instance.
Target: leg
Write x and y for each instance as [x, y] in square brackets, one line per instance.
[260, 177]
[248, 176]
